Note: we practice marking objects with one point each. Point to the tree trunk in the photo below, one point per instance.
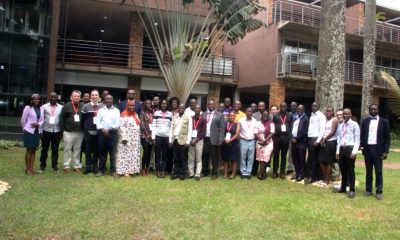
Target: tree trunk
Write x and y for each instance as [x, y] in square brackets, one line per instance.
[369, 56]
[329, 90]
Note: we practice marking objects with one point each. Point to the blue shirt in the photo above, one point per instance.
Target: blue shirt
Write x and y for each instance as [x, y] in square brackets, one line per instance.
[108, 118]
[348, 134]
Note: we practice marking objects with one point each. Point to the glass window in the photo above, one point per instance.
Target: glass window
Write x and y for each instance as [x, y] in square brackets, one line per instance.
[290, 46]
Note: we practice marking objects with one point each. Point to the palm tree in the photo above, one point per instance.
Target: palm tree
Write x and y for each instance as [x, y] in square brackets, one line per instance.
[329, 90]
[369, 56]
[184, 38]
[393, 96]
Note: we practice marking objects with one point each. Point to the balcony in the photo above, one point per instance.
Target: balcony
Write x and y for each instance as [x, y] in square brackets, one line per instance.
[127, 59]
[310, 15]
[305, 67]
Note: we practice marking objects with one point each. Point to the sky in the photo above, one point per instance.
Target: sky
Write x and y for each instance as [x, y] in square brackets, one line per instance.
[394, 4]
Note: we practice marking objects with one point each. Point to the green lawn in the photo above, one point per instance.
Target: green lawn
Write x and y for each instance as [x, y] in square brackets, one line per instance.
[74, 206]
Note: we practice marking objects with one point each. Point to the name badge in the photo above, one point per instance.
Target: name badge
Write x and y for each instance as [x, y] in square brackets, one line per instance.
[228, 136]
[94, 120]
[52, 120]
[163, 128]
[283, 128]
[76, 118]
[194, 134]
[151, 127]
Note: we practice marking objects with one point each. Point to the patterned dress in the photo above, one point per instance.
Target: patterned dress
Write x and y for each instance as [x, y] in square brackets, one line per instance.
[263, 153]
[128, 155]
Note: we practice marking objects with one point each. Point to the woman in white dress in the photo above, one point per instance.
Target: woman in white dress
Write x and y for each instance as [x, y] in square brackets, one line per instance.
[128, 155]
[264, 147]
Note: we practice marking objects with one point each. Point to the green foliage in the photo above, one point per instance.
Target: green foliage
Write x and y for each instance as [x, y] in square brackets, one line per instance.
[239, 16]
[8, 144]
[380, 16]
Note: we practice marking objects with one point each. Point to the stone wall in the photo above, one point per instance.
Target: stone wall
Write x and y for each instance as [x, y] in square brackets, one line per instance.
[136, 42]
[276, 92]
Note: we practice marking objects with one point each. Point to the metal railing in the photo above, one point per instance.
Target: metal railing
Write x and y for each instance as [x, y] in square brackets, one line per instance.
[306, 66]
[106, 54]
[306, 14]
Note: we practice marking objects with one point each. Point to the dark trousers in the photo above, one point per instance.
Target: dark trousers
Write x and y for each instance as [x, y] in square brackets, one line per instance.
[346, 165]
[312, 160]
[107, 146]
[210, 150]
[281, 146]
[255, 164]
[91, 151]
[161, 150]
[146, 155]
[54, 140]
[373, 160]
[170, 161]
[180, 158]
[299, 158]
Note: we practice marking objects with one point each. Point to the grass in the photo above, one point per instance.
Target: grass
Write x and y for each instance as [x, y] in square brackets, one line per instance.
[74, 206]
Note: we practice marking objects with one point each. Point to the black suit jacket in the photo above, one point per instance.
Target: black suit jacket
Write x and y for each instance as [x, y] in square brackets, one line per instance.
[382, 136]
[138, 106]
[302, 130]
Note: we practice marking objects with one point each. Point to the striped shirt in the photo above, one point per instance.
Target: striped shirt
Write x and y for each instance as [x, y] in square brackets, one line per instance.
[162, 124]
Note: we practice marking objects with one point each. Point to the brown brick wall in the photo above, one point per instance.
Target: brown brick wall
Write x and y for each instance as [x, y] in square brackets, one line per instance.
[134, 82]
[136, 42]
[214, 93]
[276, 93]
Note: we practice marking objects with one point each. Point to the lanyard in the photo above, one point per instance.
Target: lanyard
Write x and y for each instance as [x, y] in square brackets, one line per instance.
[229, 127]
[75, 109]
[196, 123]
[344, 130]
[53, 110]
[283, 120]
[150, 117]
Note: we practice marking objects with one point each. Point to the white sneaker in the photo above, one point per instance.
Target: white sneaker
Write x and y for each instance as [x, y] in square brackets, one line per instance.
[268, 170]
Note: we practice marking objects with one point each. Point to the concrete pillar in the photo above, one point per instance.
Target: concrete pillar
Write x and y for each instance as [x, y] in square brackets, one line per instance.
[276, 93]
[135, 82]
[135, 42]
[375, 97]
[55, 19]
[214, 92]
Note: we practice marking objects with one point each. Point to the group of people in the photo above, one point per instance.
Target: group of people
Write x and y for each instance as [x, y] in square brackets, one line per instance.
[182, 140]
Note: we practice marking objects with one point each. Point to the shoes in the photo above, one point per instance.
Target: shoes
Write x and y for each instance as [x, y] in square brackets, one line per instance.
[367, 194]
[309, 181]
[191, 176]
[87, 171]
[261, 177]
[288, 172]
[41, 170]
[242, 176]
[78, 170]
[248, 177]
[182, 177]
[299, 179]
[282, 176]
[275, 175]
[66, 170]
[214, 177]
[174, 176]
[99, 174]
[55, 170]
[197, 178]
[232, 176]
[379, 196]
[268, 169]
[294, 177]
[339, 190]
[351, 194]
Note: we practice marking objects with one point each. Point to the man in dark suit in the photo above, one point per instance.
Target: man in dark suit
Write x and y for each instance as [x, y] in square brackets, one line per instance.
[130, 96]
[299, 132]
[213, 139]
[375, 143]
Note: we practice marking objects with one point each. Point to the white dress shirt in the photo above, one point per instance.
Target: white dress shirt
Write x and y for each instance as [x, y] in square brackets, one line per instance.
[248, 128]
[296, 126]
[316, 129]
[373, 129]
[108, 118]
[51, 113]
[348, 134]
[209, 118]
